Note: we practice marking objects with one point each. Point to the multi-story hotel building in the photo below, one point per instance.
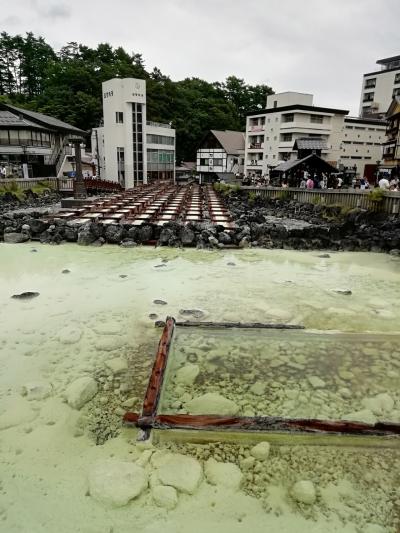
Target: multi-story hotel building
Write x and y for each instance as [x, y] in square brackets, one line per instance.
[128, 148]
[273, 134]
[380, 87]
[391, 148]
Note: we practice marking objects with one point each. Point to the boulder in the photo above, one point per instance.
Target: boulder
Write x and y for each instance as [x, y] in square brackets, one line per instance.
[316, 382]
[187, 374]
[113, 233]
[224, 237]
[379, 404]
[80, 391]
[85, 236]
[345, 292]
[15, 238]
[25, 295]
[364, 415]
[196, 313]
[37, 390]
[115, 483]
[128, 243]
[212, 403]
[187, 236]
[164, 496]
[304, 492]
[226, 475]
[118, 365]
[261, 451]
[70, 335]
[182, 472]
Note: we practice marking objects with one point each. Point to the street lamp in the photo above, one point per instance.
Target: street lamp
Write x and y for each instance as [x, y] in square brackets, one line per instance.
[79, 183]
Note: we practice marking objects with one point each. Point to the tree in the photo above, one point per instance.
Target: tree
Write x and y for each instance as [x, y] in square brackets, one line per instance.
[67, 85]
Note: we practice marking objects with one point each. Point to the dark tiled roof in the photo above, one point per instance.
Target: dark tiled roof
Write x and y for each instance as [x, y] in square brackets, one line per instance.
[310, 144]
[12, 120]
[288, 165]
[44, 120]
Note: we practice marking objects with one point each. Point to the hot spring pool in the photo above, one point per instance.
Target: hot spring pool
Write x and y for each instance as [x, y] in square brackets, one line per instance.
[92, 321]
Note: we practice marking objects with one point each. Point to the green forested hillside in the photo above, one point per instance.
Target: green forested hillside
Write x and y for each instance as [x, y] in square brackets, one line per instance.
[67, 84]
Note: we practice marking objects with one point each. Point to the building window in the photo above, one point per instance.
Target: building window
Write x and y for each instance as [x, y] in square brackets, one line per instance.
[316, 119]
[368, 97]
[370, 84]
[119, 117]
[159, 139]
[397, 78]
[349, 127]
[289, 117]
[121, 165]
[137, 148]
[275, 138]
[275, 103]
[396, 92]
[286, 137]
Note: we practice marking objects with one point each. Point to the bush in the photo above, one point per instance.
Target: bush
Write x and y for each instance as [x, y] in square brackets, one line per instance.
[225, 189]
[12, 188]
[375, 198]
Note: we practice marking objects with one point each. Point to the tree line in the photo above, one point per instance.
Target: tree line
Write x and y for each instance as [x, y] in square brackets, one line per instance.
[66, 84]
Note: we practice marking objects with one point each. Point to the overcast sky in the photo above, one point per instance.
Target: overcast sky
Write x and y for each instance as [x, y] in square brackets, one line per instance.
[317, 46]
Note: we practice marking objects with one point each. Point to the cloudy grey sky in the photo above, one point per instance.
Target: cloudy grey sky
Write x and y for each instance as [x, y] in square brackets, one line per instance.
[317, 46]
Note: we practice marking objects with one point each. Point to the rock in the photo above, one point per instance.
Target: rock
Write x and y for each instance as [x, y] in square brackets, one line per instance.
[118, 365]
[212, 403]
[128, 243]
[187, 374]
[245, 242]
[395, 252]
[316, 382]
[160, 302]
[153, 316]
[258, 388]
[65, 271]
[226, 475]
[182, 472]
[113, 233]
[346, 292]
[213, 241]
[365, 415]
[188, 236]
[37, 390]
[196, 313]
[115, 483]
[25, 228]
[70, 335]
[165, 496]
[304, 492]
[15, 238]
[85, 236]
[324, 256]
[374, 528]
[80, 391]
[231, 264]
[108, 344]
[380, 404]
[224, 237]
[25, 295]
[261, 451]
[247, 463]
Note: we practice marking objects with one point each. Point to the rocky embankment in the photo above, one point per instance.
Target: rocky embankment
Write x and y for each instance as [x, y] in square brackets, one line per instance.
[10, 202]
[270, 224]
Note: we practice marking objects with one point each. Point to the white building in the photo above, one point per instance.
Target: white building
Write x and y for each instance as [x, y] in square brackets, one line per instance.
[362, 143]
[271, 134]
[380, 87]
[220, 155]
[128, 148]
[288, 117]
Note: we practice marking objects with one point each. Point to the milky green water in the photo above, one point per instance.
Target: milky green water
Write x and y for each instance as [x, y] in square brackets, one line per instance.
[83, 318]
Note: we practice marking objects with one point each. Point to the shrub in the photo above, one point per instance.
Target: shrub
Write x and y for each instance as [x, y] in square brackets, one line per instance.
[375, 198]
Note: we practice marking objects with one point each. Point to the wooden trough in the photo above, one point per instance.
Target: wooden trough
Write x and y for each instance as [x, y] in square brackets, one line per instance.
[149, 418]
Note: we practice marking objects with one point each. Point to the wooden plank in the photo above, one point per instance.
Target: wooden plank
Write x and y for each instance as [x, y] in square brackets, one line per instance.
[261, 424]
[244, 325]
[153, 391]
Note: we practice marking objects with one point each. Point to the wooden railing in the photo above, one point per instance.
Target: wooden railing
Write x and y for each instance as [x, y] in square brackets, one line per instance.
[64, 184]
[346, 197]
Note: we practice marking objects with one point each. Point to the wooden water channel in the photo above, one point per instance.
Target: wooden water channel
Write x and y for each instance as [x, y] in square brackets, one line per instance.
[149, 418]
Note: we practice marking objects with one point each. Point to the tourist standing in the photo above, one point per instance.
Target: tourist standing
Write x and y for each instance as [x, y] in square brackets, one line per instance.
[310, 183]
[384, 183]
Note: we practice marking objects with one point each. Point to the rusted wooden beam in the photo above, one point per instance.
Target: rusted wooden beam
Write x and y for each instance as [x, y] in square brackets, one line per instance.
[243, 325]
[259, 424]
[157, 374]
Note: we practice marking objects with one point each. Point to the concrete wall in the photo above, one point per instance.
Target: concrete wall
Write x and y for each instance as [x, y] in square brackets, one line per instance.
[361, 144]
[383, 91]
[288, 98]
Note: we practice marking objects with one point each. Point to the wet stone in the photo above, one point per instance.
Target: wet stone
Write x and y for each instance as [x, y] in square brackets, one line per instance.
[159, 302]
[29, 295]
